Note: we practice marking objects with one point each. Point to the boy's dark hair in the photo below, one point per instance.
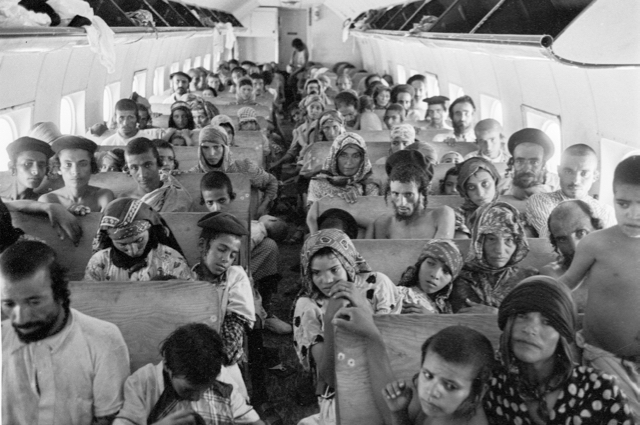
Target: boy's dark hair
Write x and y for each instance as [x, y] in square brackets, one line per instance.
[461, 99]
[407, 173]
[298, 44]
[453, 171]
[627, 172]
[245, 81]
[140, 146]
[239, 70]
[256, 76]
[346, 98]
[216, 180]
[163, 144]
[93, 162]
[191, 124]
[127, 105]
[24, 258]
[417, 77]
[333, 216]
[596, 222]
[464, 346]
[395, 107]
[248, 63]
[194, 351]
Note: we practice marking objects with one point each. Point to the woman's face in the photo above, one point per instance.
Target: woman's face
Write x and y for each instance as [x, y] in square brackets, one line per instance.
[404, 100]
[245, 92]
[314, 111]
[133, 246]
[331, 129]
[382, 99]
[480, 187]
[212, 152]
[433, 275]
[498, 249]
[349, 161]
[443, 386]
[451, 185]
[533, 339]
[213, 82]
[108, 164]
[398, 144]
[450, 158]
[168, 159]
[326, 270]
[180, 119]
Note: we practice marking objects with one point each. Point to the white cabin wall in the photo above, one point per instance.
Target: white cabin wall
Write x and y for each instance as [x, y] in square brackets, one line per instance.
[325, 40]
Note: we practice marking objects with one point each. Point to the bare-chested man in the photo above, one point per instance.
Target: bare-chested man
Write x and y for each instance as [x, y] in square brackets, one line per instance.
[77, 163]
[607, 260]
[408, 186]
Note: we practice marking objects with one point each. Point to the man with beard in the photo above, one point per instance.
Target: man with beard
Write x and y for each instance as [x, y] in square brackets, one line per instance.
[127, 118]
[462, 114]
[59, 366]
[179, 82]
[527, 174]
[578, 170]
[411, 219]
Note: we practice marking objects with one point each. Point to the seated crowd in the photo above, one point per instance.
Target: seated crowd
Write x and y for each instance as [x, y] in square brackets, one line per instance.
[552, 366]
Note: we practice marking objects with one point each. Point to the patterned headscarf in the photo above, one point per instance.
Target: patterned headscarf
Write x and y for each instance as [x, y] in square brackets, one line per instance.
[497, 218]
[223, 119]
[405, 132]
[213, 133]
[330, 115]
[342, 248]
[442, 250]
[330, 168]
[467, 169]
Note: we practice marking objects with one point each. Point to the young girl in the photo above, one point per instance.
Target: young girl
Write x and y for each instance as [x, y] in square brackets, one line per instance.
[426, 286]
[333, 275]
[112, 160]
[181, 124]
[244, 92]
[478, 181]
[449, 184]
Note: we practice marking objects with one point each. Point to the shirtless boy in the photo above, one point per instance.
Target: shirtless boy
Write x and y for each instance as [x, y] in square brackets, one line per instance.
[608, 262]
[77, 163]
[408, 186]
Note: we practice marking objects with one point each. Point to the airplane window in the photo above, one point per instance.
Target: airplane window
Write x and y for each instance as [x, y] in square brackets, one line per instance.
[455, 91]
[490, 107]
[8, 133]
[433, 86]
[401, 78]
[206, 62]
[197, 62]
[140, 83]
[550, 124]
[158, 81]
[175, 67]
[67, 116]
[107, 104]
[187, 65]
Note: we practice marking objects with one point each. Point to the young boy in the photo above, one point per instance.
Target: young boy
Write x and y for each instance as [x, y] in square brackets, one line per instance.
[77, 163]
[607, 260]
[188, 386]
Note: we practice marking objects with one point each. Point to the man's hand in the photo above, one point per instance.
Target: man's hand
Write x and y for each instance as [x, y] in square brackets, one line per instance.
[64, 222]
[78, 209]
[181, 417]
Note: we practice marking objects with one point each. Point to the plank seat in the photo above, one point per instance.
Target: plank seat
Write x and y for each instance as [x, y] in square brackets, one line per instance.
[230, 110]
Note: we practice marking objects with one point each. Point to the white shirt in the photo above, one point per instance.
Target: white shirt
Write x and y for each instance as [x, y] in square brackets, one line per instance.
[117, 140]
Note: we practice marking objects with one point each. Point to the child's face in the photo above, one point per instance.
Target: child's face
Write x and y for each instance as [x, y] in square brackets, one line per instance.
[178, 140]
[326, 271]
[433, 275]
[498, 249]
[258, 87]
[383, 98]
[133, 246]
[343, 83]
[392, 118]
[201, 118]
[207, 93]
[108, 164]
[398, 144]
[213, 82]
[451, 158]
[450, 185]
[216, 199]
[180, 118]
[314, 111]
[168, 159]
[212, 152]
[480, 188]
[245, 92]
[222, 253]
[75, 167]
[404, 99]
[249, 126]
[627, 207]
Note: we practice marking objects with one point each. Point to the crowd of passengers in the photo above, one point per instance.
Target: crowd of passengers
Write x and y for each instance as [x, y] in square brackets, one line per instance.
[61, 366]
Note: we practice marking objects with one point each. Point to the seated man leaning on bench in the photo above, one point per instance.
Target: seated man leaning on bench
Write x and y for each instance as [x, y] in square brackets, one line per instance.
[409, 176]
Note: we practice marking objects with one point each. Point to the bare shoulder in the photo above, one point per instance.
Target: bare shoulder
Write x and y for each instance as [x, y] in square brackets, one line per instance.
[441, 213]
[602, 238]
[552, 269]
[51, 197]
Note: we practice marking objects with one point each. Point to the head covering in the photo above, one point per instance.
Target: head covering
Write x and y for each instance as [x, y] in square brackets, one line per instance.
[179, 105]
[24, 144]
[545, 295]
[532, 135]
[425, 149]
[458, 154]
[74, 142]
[497, 218]
[181, 74]
[442, 250]
[223, 119]
[9, 233]
[405, 132]
[117, 156]
[436, 100]
[308, 100]
[342, 248]
[45, 131]
[214, 133]
[125, 217]
[331, 116]
[330, 168]
[186, 98]
[413, 157]
[247, 113]
[467, 169]
[221, 222]
[350, 224]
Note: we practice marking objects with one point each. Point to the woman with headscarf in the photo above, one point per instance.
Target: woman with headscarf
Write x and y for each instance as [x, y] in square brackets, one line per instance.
[112, 161]
[181, 125]
[346, 172]
[538, 381]
[134, 243]
[333, 275]
[329, 126]
[498, 244]
[226, 122]
[478, 185]
[214, 154]
[401, 135]
[425, 287]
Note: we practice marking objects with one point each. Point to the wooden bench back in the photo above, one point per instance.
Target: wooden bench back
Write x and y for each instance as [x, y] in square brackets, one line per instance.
[183, 225]
[230, 110]
[393, 256]
[147, 312]
[403, 336]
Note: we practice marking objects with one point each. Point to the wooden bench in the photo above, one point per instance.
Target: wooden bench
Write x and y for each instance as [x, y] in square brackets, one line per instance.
[162, 121]
[147, 312]
[318, 152]
[183, 225]
[403, 336]
[422, 134]
[230, 110]
[393, 256]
